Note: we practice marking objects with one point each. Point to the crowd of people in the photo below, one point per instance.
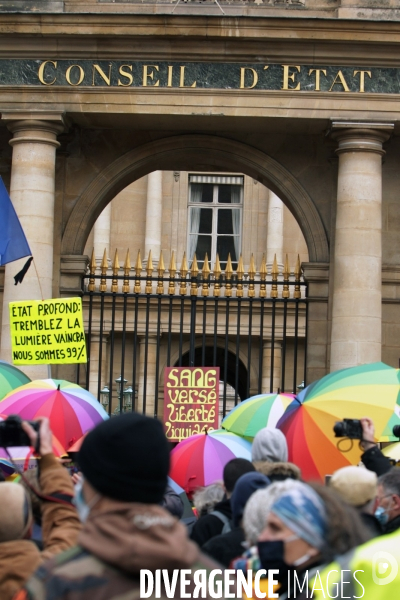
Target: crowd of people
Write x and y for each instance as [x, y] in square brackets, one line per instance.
[89, 536]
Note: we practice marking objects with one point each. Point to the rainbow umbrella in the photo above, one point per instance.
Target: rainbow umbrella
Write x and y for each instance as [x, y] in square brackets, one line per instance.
[392, 451]
[72, 410]
[264, 410]
[6, 467]
[368, 390]
[10, 378]
[76, 446]
[200, 459]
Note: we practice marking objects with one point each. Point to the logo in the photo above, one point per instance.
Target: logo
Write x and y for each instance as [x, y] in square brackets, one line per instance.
[384, 568]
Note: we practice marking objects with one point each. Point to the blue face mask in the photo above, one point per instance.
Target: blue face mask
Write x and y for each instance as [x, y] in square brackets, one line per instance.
[381, 515]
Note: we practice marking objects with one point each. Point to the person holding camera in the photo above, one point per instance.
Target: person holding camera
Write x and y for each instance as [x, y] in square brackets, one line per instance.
[19, 556]
[124, 463]
[373, 458]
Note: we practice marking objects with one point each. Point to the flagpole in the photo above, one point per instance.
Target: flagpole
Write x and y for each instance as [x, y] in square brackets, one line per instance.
[38, 278]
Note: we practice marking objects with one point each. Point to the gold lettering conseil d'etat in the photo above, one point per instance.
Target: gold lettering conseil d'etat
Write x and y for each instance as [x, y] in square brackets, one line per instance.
[249, 78]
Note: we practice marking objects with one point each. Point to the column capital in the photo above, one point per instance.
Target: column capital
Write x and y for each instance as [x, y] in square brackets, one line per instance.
[34, 126]
[358, 136]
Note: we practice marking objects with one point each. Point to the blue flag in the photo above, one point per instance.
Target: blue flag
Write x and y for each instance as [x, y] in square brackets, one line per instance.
[13, 243]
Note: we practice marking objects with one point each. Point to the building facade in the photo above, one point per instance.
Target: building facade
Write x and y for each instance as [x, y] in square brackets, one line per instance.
[254, 129]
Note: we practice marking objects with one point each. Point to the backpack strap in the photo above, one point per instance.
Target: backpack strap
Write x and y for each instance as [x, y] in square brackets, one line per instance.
[227, 525]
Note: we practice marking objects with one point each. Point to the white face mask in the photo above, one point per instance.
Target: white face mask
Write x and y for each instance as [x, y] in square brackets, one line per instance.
[300, 561]
[80, 503]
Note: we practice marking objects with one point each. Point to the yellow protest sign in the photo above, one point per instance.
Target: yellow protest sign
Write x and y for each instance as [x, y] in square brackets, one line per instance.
[47, 331]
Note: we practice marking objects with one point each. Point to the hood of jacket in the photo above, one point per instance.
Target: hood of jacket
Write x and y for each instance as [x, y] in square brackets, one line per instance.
[19, 559]
[133, 536]
[269, 444]
[277, 471]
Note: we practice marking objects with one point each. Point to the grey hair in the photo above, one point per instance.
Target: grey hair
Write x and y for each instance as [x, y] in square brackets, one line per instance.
[390, 481]
[258, 507]
[205, 499]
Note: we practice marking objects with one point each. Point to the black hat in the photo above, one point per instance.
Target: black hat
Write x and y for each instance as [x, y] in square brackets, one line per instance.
[127, 458]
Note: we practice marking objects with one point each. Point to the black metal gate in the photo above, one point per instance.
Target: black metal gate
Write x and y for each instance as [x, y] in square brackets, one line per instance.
[252, 325]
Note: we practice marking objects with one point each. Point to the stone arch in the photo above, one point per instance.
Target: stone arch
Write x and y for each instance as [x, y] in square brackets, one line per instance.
[204, 153]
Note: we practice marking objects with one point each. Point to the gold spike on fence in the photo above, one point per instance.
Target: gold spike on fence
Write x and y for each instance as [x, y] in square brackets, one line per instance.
[239, 276]
[194, 271]
[149, 271]
[104, 265]
[263, 277]
[206, 276]
[208, 279]
[217, 277]
[183, 273]
[286, 275]
[127, 268]
[297, 275]
[138, 271]
[115, 270]
[92, 273]
[228, 277]
[274, 275]
[172, 271]
[160, 271]
[252, 274]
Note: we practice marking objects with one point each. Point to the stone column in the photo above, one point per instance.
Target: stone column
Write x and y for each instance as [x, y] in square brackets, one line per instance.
[32, 192]
[357, 283]
[150, 374]
[102, 230]
[316, 275]
[266, 373]
[275, 230]
[152, 239]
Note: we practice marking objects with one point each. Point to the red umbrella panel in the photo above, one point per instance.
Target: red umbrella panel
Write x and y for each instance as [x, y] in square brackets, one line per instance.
[200, 459]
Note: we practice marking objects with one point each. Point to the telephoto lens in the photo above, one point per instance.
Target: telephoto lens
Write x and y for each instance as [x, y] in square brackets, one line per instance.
[339, 429]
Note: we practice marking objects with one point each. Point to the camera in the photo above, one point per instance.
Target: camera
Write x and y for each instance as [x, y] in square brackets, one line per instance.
[348, 428]
[12, 434]
[396, 431]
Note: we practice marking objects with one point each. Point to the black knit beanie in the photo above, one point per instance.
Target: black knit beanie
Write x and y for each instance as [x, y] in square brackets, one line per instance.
[127, 458]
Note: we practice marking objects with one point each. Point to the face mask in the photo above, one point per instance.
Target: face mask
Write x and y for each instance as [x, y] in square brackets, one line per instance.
[381, 515]
[302, 560]
[80, 503]
[273, 553]
[271, 557]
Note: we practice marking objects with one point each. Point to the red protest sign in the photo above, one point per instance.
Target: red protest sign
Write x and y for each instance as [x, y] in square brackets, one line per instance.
[191, 396]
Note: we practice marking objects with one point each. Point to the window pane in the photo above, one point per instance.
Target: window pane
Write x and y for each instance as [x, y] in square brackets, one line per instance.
[229, 194]
[205, 220]
[226, 244]
[228, 221]
[203, 246]
[201, 192]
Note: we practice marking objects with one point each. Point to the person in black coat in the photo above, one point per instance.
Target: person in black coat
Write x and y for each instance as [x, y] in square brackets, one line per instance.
[212, 524]
[226, 547]
[373, 458]
[172, 503]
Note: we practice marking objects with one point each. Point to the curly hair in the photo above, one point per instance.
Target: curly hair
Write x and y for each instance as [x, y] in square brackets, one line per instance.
[205, 499]
[345, 527]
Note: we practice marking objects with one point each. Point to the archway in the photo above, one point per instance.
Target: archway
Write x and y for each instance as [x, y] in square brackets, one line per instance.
[208, 153]
[232, 383]
[220, 358]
